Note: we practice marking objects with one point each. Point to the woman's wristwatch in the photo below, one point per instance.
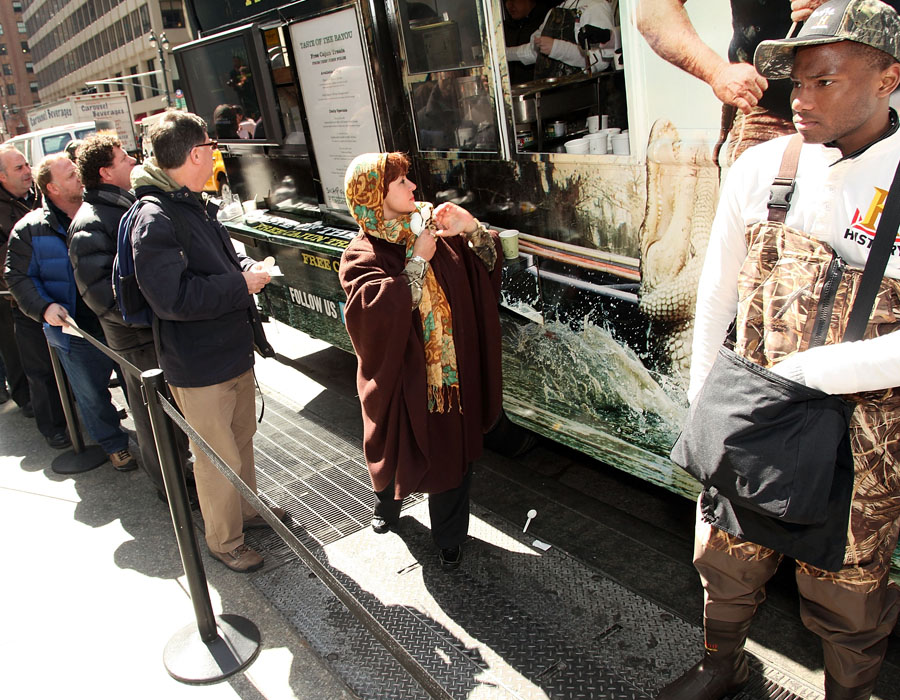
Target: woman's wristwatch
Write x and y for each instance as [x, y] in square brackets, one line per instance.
[415, 270]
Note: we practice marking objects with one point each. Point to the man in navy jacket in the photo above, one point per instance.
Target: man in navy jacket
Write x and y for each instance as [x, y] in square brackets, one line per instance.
[201, 291]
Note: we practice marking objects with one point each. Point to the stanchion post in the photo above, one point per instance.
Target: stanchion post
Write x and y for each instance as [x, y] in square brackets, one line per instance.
[80, 459]
[68, 404]
[216, 647]
[179, 505]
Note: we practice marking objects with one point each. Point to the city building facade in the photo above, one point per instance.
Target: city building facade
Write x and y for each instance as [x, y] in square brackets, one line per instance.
[18, 84]
[104, 45]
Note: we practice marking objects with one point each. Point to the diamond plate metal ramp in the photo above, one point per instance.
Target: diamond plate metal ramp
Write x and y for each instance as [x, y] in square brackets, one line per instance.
[513, 622]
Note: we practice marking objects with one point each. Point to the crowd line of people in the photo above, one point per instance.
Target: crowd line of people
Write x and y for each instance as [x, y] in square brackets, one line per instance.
[422, 286]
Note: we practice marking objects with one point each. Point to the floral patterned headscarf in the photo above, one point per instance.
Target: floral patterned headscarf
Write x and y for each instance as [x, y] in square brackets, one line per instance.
[364, 189]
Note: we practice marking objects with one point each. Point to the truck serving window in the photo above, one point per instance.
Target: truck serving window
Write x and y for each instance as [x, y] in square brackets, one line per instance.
[235, 99]
[448, 79]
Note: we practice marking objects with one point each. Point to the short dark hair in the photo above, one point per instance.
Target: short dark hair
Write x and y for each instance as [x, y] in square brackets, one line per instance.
[875, 58]
[396, 165]
[97, 151]
[173, 137]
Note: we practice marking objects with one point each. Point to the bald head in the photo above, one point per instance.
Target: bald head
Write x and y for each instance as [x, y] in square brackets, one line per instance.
[15, 173]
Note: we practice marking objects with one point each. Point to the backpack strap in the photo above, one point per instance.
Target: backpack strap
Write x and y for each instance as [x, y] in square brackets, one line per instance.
[782, 188]
[876, 263]
[182, 228]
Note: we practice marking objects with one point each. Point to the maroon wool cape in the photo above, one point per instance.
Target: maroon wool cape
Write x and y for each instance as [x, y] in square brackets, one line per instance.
[423, 452]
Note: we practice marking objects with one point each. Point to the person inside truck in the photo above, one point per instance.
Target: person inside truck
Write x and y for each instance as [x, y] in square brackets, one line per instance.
[522, 18]
[554, 48]
[422, 315]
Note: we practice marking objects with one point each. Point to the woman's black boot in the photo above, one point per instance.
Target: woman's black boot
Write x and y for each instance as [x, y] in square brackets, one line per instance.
[836, 691]
[722, 670]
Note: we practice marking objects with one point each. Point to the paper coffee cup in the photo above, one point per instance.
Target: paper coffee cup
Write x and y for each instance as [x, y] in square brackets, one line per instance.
[604, 121]
[509, 241]
[593, 124]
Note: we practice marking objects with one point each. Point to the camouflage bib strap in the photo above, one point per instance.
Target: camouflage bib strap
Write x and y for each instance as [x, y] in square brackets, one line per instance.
[783, 187]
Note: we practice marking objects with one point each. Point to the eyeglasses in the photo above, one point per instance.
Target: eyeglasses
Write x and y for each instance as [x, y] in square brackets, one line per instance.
[213, 144]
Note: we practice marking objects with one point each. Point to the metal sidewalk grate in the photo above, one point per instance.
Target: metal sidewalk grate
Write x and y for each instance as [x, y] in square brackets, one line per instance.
[512, 622]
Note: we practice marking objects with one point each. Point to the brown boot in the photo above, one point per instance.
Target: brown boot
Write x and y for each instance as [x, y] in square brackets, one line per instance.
[836, 691]
[722, 670]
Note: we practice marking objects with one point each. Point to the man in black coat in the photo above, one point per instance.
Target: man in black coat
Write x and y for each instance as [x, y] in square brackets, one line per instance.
[22, 342]
[105, 171]
[201, 291]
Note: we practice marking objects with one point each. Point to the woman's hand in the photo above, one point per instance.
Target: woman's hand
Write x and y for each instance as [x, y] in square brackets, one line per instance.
[453, 220]
[425, 245]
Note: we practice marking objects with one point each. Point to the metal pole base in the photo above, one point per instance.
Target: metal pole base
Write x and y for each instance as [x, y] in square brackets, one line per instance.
[191, 660]
[77, 462]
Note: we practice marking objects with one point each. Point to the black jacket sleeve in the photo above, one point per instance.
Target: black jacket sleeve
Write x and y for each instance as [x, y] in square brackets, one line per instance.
[92, 249]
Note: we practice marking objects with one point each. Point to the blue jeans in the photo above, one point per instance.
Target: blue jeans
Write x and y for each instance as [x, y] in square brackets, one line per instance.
[88, 371]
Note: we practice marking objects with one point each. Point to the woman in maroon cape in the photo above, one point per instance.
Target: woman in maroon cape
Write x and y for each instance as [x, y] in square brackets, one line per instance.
[422, 291]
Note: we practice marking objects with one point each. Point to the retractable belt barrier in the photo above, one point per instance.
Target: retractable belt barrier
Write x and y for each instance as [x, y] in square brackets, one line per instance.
[219, 646]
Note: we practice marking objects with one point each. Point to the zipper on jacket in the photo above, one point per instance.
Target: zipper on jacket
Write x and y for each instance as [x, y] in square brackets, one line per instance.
[826, 302]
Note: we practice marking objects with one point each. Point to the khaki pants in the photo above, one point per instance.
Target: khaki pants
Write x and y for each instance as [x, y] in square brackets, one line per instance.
[224, 415]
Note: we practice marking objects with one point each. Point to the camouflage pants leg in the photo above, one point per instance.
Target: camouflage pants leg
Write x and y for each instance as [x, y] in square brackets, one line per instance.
[852, 610]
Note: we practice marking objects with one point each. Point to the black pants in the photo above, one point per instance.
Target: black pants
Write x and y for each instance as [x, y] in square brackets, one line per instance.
[449, 511]
[9, 351]
[136, 346]
[35, 357]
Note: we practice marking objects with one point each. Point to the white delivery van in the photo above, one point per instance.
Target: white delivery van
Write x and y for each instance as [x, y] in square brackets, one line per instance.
[37, 144]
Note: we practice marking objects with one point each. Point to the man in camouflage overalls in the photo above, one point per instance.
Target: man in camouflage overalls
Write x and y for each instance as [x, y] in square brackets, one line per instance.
[771, 274]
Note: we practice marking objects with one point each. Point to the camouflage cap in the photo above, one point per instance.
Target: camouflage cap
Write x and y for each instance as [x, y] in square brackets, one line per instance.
[869, 22]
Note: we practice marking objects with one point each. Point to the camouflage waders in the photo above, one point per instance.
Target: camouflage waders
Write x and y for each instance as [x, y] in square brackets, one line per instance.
[854, 609]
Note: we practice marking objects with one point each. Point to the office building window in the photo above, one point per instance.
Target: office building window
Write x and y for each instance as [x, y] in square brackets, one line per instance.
[151, 66]
[138, 93]
[10, 89]
[17, 6]
[24, 47]
[2, 49]
[29, 67]
[33, 85]
[172, 14]
[7, 69]
[21, 27]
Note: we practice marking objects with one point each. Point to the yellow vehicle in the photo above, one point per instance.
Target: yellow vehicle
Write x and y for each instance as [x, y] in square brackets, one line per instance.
[218, 183]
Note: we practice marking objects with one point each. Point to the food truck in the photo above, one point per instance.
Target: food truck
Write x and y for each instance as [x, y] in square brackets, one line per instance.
[597, 307]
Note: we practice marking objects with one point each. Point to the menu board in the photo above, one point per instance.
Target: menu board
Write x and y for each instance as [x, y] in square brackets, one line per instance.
[328, 54]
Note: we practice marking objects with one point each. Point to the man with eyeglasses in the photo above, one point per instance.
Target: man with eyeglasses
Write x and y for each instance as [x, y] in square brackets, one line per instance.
[201, 291]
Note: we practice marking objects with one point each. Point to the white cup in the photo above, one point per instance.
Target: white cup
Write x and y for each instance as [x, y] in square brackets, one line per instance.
[620, 145]
[577, 146]
[598, 143]
[604, 121]
[249, 205]
[559, 128]
[593, 124]
[509, 241]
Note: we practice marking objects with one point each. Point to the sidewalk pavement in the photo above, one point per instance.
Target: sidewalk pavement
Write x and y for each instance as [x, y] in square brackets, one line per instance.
[93, 589]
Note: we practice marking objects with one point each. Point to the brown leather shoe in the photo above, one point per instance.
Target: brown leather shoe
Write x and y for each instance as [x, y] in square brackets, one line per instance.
[257, 520]
[123, 461]
[836, 691]
[242, 559]
[723, 669]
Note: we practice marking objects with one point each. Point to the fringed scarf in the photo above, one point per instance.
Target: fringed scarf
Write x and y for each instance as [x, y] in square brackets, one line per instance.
[364, 187]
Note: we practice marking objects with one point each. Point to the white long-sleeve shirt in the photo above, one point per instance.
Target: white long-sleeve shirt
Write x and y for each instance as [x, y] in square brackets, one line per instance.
[594, 12]
[836, 201]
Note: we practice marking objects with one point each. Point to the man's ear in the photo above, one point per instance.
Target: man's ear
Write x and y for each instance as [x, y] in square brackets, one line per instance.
[104, 174]
[890, 79]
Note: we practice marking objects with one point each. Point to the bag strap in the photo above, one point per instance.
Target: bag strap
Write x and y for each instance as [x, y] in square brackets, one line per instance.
[782, 188]
[879, 254]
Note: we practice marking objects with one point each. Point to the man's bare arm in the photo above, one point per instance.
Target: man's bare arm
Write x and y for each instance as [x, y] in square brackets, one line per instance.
[669, 32]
